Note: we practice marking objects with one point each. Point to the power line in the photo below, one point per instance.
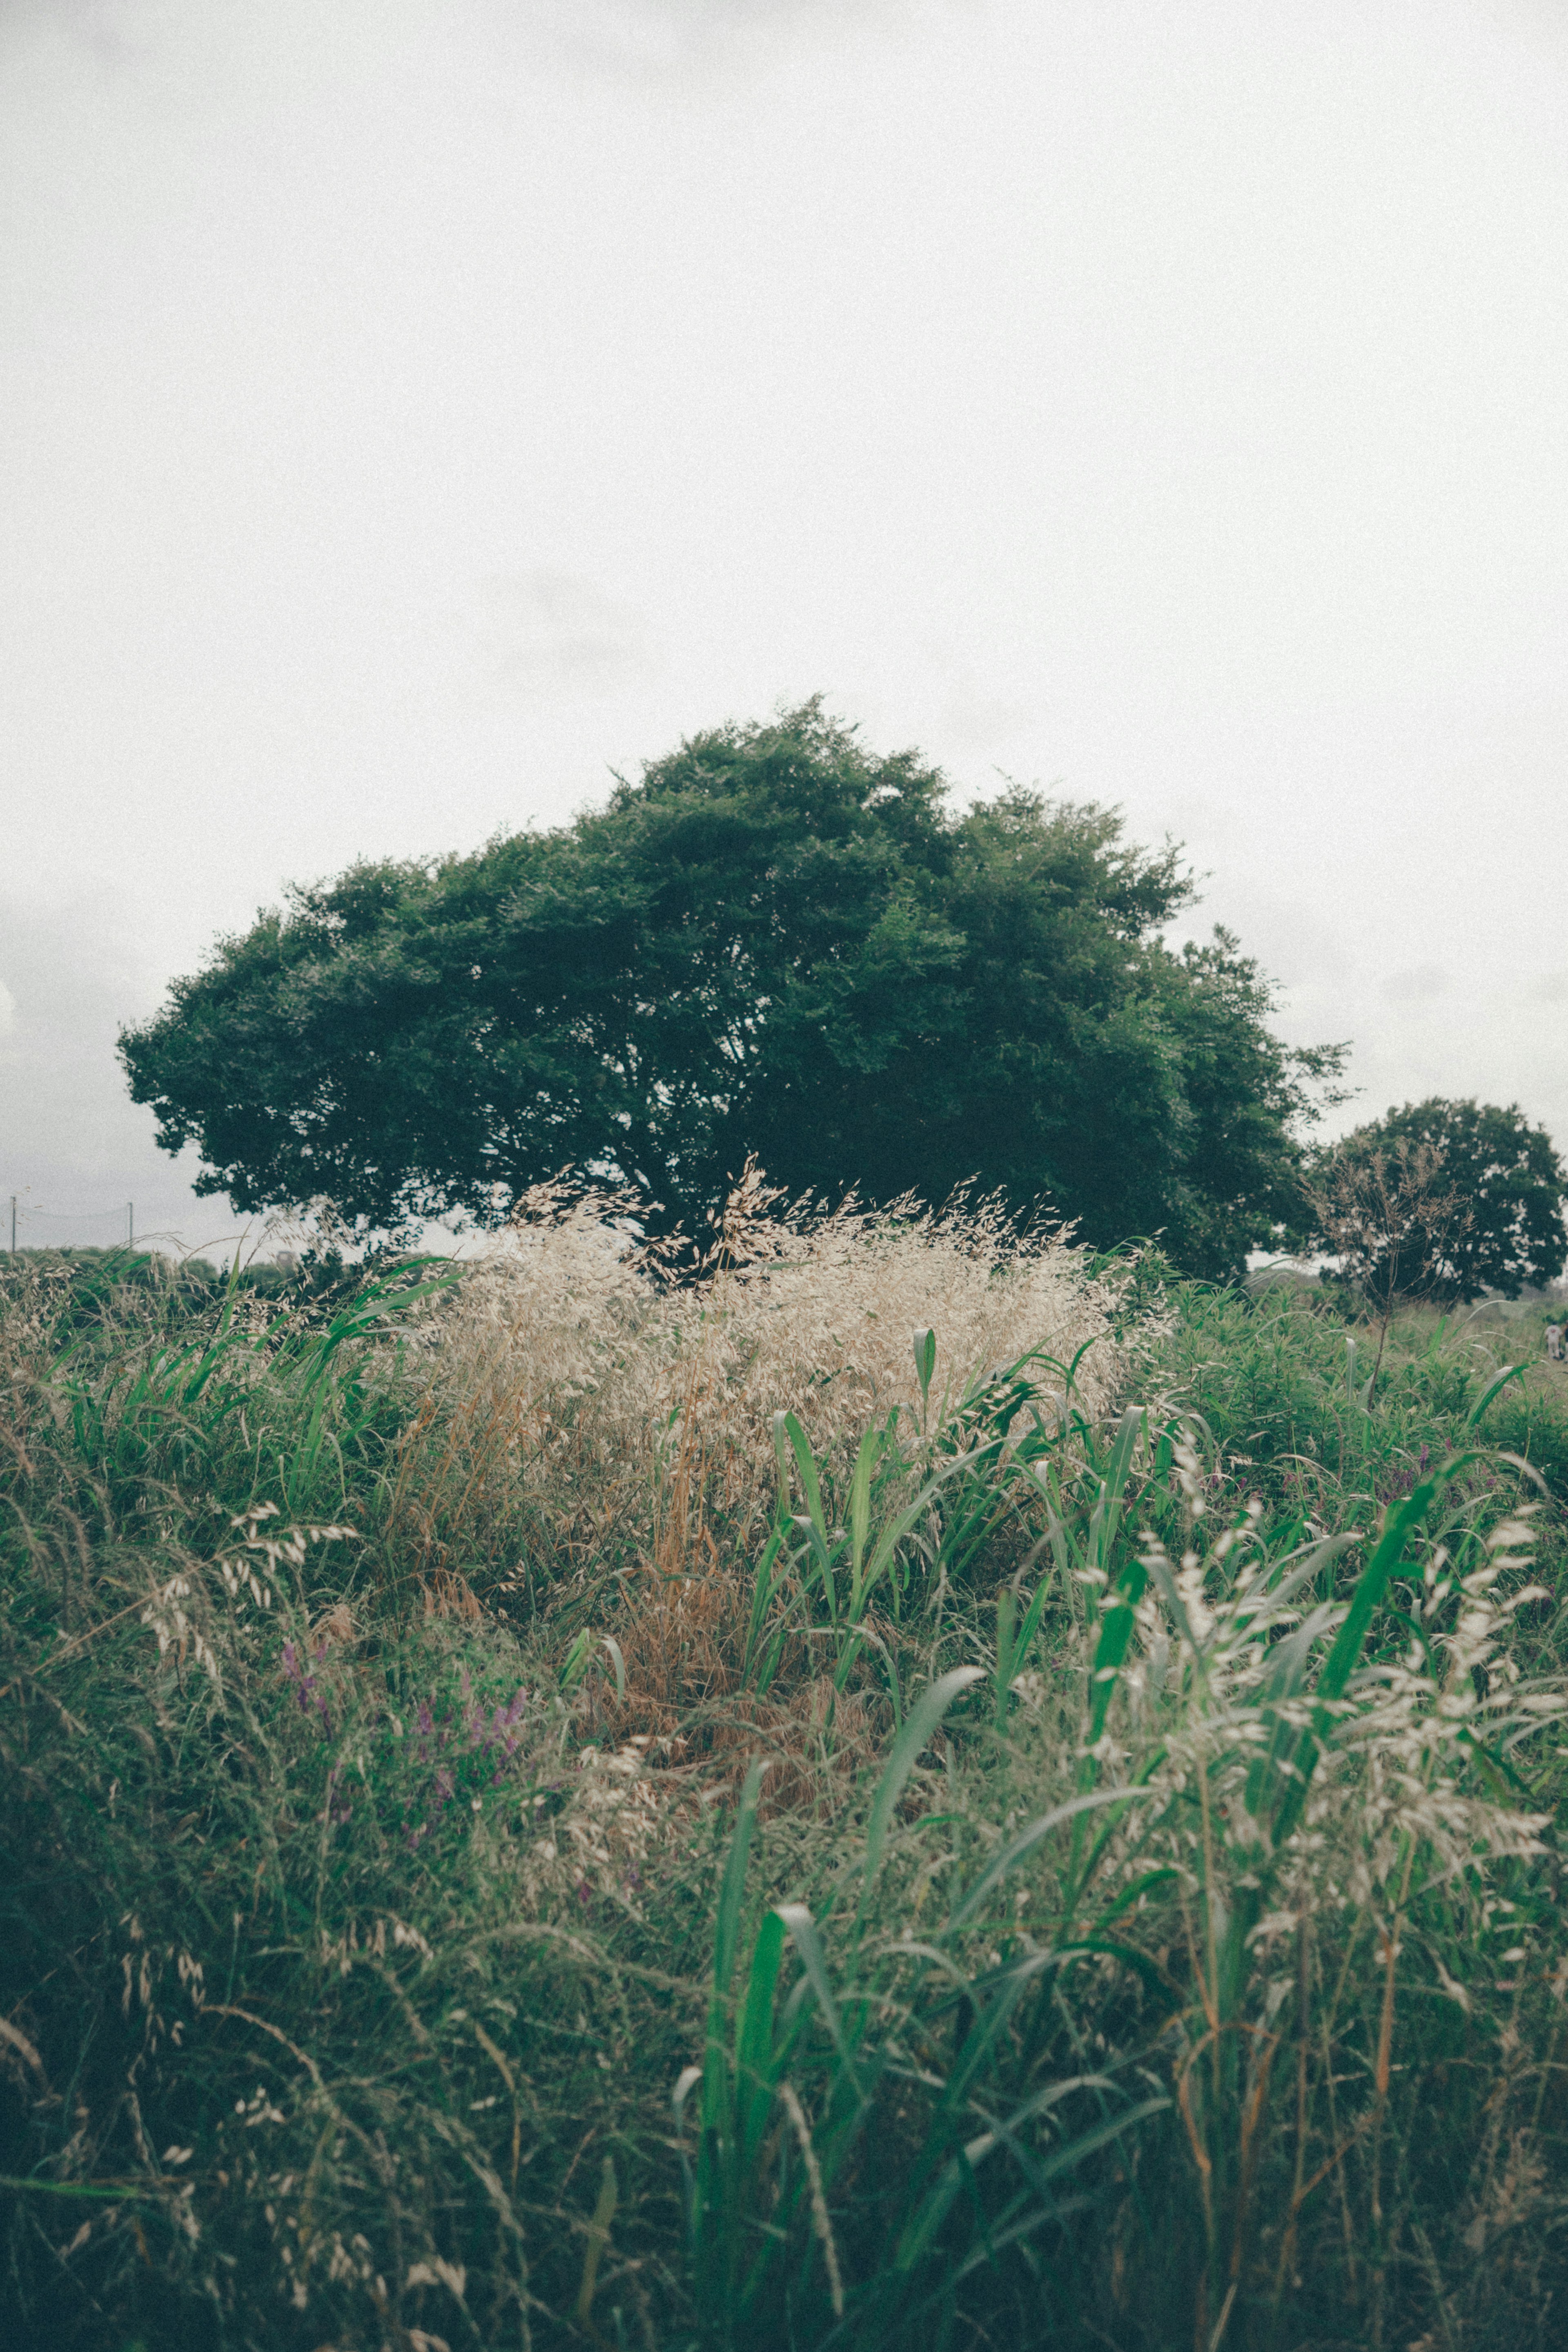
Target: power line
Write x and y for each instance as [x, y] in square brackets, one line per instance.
[30, 1216]
[70, 1216]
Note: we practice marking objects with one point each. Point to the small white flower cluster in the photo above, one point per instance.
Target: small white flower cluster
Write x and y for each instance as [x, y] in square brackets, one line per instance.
[254, 1568]
[251, 1572]
[142, 1969]
[1229, 1645]
[1416, 1726]
[341, 1951]
[167, 1616]
[602, 1837]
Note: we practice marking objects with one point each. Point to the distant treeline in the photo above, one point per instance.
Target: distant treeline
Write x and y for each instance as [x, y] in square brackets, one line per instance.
[95, 1269]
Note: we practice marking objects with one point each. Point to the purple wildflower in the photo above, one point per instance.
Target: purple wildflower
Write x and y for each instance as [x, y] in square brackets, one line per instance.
[307, 1686]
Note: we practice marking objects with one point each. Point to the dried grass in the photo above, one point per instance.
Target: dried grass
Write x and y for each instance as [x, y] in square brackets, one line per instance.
[637, 1418]
[629, 1424]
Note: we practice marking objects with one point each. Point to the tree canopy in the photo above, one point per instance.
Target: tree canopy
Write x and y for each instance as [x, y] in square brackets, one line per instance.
[773, 943]
[1453, 1199]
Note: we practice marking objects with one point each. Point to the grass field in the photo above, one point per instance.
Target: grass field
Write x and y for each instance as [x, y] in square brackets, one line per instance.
[918, 1793]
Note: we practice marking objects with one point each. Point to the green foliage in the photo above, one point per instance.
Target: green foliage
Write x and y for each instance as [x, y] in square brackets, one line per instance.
[1151, 1937]
[1282, 1381]
[773, 946]
[1509, 1184]
[91, 1276]
[761, 2224]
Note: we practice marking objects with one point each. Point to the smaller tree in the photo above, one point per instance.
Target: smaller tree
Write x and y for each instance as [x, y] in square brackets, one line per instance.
[1445, 1198]
[1390, 1217]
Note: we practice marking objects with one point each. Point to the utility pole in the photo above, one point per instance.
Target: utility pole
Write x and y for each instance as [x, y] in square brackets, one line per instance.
[13, 1224]
[130, 1225]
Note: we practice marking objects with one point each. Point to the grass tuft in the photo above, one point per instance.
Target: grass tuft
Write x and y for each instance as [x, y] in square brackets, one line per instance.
[915, 1791]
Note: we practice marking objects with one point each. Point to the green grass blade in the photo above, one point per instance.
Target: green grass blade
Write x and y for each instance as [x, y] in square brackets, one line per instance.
[1494, 1387]
[925, 1363]
[808, 1945]
[1373, 1582]
[860, 1511]
[1116, 1474]
[1111, 1649]
[756, 2062]
[919, 1724]
[1400, 1523]
[811, 1485]
[1027, 1839]
[727, 1927]
[762, 1591]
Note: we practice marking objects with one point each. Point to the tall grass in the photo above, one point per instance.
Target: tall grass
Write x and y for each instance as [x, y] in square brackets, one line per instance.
[872, 1802]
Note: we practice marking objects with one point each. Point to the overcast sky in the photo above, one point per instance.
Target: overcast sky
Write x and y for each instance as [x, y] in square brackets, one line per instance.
[415, 409]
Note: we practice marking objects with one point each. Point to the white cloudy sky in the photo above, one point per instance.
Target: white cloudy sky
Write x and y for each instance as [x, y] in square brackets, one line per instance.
[415, 408]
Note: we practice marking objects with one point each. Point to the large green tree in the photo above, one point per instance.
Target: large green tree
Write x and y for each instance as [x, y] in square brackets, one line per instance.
[773, 943]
